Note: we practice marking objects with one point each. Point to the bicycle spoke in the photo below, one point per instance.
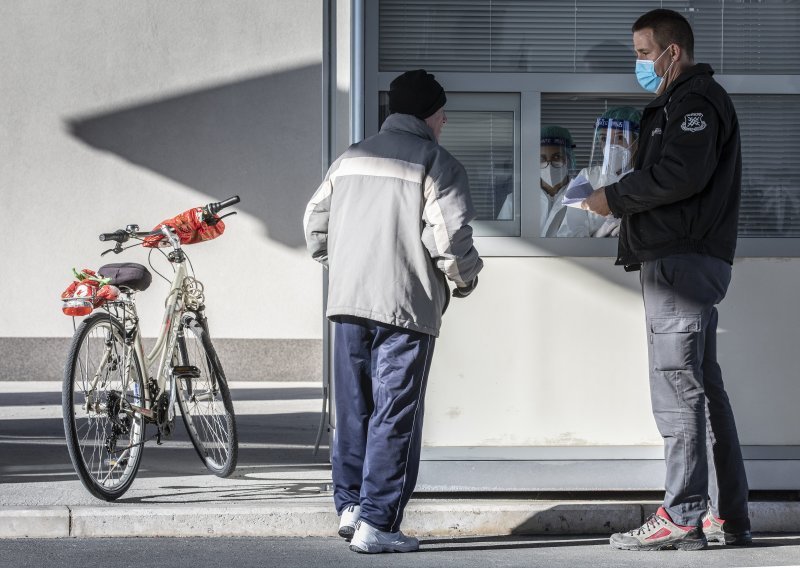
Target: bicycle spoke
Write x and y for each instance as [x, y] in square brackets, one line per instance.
[104, 444]
[203, 403]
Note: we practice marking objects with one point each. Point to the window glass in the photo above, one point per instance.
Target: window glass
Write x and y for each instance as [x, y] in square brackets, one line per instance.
[770, 132]
[483, 140]
[602, 131]
[747, 37]
[466, 38]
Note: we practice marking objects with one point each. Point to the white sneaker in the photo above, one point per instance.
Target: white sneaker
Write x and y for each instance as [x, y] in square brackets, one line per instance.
[369, 540]
[347, 524]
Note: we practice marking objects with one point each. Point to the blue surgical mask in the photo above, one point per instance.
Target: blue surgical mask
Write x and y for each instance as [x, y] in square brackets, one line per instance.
[646, 73]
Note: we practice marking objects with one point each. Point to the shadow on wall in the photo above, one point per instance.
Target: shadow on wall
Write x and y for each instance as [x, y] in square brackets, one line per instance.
[610, 57]
[258, 138]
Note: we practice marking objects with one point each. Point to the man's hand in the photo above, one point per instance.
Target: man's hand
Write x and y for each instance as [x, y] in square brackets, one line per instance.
[597, 203]
[464, 291]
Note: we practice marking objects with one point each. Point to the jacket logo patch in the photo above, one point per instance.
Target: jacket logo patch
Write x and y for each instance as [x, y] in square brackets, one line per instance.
[693, 122]
[655, 131]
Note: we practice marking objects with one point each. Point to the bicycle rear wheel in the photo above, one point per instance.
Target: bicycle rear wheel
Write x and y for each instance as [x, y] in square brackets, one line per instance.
[104, 437]
[205, 400]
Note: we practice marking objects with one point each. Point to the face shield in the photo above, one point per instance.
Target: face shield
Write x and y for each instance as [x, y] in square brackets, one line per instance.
[554, 162]
[613, 148]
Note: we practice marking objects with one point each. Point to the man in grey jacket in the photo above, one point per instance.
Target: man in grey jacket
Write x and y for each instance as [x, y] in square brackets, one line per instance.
[391, 223]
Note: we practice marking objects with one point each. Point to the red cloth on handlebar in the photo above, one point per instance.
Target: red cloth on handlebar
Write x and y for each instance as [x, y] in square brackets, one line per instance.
[190, 228]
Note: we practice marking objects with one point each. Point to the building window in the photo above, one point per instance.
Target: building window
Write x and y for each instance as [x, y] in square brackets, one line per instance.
[770, 126]
[482, 132]
[565, 63]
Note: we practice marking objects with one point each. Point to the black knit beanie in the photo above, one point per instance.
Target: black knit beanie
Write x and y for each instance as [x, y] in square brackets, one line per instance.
[416, 93]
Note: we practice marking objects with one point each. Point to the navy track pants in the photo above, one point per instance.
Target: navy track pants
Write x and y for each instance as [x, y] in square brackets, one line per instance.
[380, 375]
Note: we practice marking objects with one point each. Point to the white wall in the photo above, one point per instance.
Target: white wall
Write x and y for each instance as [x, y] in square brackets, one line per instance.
[118, 112]
[553, 352]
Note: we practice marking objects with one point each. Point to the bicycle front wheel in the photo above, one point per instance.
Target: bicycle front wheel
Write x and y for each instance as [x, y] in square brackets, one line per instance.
[101, 382]
[205, 400]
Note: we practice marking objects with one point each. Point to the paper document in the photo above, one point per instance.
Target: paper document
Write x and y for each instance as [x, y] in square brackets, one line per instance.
[577, 191]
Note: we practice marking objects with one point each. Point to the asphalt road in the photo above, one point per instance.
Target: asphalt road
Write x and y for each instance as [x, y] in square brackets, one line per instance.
[439, 553]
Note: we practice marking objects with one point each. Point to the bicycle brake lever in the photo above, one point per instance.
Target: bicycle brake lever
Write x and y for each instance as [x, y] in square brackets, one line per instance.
[211, 220]
[116, 250]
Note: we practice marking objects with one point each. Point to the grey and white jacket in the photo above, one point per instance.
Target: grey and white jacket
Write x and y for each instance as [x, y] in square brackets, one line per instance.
[391, 221]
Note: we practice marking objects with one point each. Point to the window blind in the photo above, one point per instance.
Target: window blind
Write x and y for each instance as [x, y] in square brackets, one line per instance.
[770, 129]
[483, 141]
[580, 36]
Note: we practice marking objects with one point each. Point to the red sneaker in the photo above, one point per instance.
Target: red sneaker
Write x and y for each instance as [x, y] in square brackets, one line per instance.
[658, 533]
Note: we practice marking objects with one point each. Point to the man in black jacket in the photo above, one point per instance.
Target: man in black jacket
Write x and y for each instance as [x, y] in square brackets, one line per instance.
[679, 211]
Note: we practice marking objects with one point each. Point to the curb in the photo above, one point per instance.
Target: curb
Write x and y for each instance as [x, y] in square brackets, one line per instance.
[423, 518]
[35, 522]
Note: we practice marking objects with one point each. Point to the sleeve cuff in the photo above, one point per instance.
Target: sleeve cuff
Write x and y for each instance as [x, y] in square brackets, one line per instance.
[612, 198]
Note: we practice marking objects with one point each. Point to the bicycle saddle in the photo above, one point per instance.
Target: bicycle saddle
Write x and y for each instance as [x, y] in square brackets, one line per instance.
[127, 275]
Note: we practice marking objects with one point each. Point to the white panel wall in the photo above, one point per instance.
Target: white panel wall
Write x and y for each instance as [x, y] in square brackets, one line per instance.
[553, 352]
[116, 112]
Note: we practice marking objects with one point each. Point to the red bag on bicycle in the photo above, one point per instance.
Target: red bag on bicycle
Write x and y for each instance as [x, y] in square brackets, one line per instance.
[88, 292]
[189, 227]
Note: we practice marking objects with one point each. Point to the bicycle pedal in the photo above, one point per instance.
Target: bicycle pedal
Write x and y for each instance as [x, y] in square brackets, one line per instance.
[186, 371]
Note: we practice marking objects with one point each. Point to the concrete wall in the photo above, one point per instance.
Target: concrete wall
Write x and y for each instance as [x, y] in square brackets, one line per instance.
[130, 112]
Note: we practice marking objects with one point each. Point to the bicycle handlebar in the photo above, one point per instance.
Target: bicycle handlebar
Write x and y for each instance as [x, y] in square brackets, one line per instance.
[120, 236]
[123, 235]
[214, 208]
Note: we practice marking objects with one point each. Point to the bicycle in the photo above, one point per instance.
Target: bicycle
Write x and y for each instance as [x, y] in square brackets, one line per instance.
[109, 396]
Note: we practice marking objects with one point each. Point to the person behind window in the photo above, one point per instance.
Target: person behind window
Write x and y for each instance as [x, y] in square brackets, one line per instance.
[556, 162]
[616, 135]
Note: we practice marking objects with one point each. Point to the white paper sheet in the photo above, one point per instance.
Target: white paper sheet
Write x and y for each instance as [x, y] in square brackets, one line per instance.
[577, 191]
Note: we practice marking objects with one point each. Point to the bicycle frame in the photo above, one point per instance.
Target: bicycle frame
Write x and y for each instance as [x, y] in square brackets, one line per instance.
[165, 343]
[161, 353]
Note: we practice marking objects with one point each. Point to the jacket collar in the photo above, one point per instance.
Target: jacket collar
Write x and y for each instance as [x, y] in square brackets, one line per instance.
[688, 74]
[397, 122]
[693, 71]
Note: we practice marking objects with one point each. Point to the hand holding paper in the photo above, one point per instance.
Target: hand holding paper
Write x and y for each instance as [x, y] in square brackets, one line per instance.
[597, 202]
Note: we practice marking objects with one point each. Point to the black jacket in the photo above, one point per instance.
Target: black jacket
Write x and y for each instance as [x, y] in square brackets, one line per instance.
[683, 195]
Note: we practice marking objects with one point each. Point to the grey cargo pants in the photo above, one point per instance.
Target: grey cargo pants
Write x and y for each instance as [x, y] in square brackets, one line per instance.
[690, 405]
